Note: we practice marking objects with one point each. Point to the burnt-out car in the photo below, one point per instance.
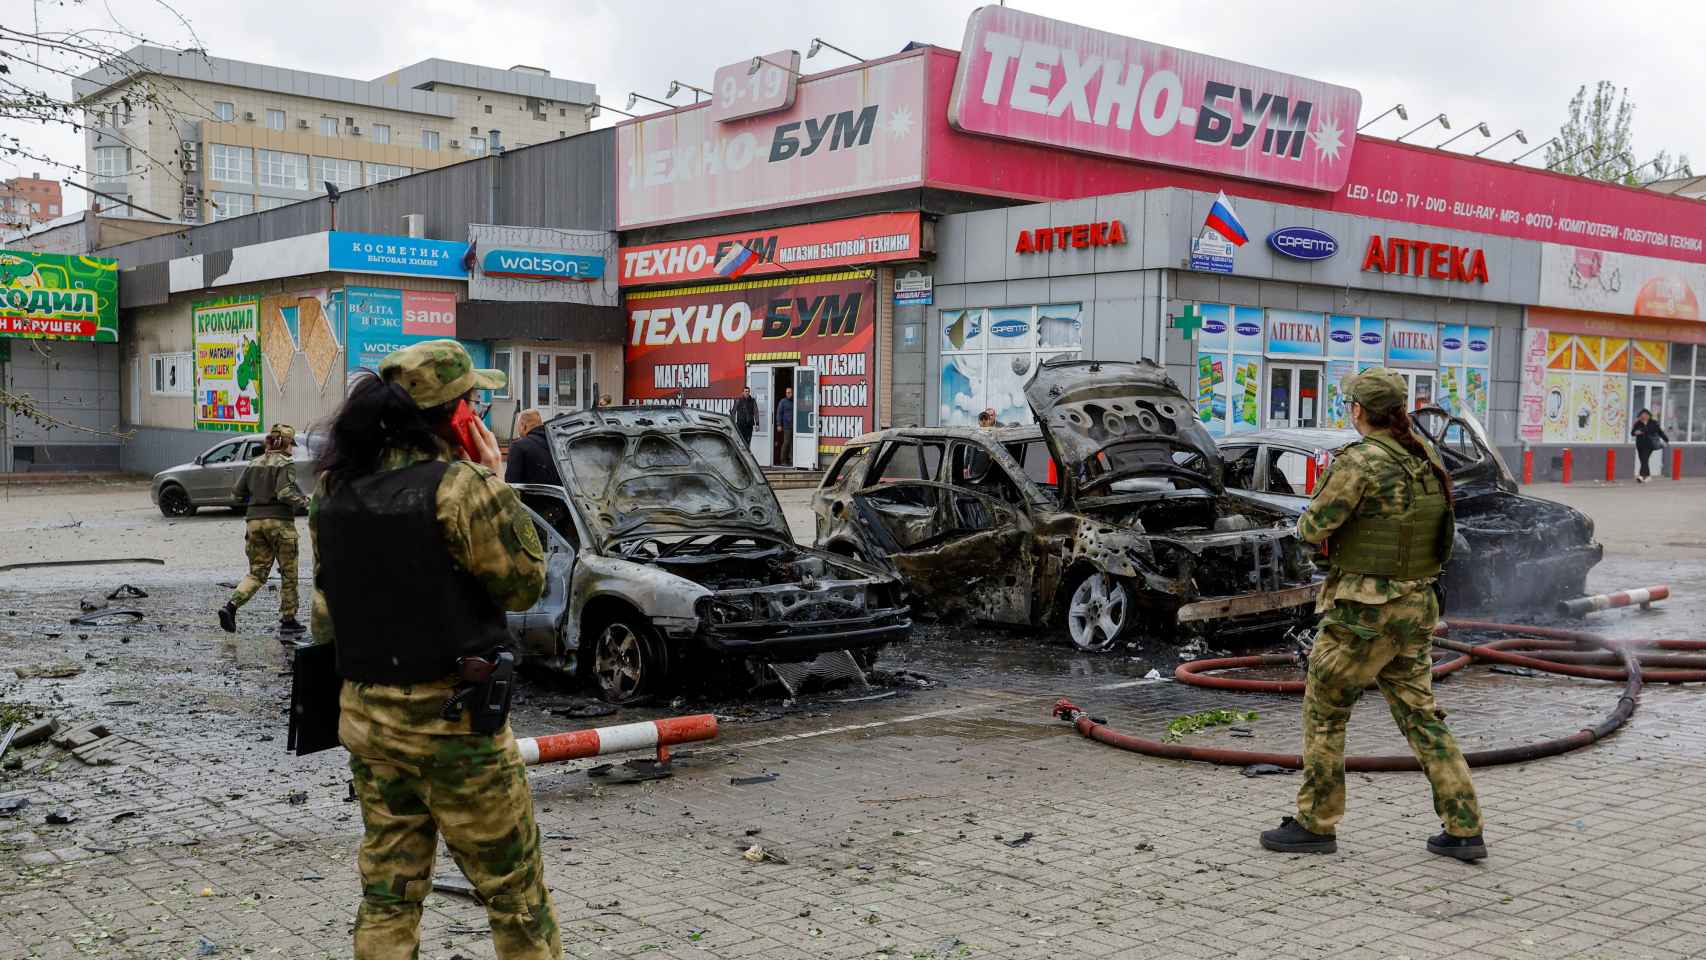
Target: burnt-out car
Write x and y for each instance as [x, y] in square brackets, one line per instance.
[1512, 552]
[668, 557]
[1108, 516]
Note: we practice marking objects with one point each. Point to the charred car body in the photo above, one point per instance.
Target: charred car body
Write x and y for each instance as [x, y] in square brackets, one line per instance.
[1108, 516]
[667, 553]
[1512, 552]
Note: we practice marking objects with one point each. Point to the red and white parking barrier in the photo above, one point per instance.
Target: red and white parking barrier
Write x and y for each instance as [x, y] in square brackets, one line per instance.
[1582, 606]
[652, 734]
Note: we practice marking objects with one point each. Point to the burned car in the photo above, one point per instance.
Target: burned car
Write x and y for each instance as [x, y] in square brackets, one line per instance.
[668, 555]
[1512, 552]
[1109, 516]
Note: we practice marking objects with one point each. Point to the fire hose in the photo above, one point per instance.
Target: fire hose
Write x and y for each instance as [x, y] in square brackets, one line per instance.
[1540, 643]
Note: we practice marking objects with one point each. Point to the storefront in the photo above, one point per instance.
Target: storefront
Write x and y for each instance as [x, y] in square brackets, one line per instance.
[59, 362]
[801, 335]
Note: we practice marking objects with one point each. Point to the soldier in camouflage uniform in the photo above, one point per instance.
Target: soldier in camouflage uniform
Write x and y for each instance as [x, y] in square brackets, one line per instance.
[268, 486]
[417, 554]
[1384, 511]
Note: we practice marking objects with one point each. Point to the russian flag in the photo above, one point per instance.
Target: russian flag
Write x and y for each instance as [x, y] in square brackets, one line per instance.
[1223, 221]
[735, 261]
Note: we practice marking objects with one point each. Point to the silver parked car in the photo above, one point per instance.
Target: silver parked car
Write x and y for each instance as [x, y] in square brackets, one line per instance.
[207, 480]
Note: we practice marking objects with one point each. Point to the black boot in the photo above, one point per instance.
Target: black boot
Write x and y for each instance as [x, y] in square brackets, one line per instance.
[228, 617]
[290, 625]
[1463, 848]
[1292, 837]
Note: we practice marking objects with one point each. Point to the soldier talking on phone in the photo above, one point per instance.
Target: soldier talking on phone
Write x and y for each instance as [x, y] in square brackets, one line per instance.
[419, 550]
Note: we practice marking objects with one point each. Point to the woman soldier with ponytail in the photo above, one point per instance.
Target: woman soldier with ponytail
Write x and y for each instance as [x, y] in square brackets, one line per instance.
[1383, 515]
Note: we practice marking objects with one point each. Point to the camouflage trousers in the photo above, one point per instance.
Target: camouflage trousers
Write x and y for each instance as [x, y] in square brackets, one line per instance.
[267, 542]
[418, 775]
[1387, 643]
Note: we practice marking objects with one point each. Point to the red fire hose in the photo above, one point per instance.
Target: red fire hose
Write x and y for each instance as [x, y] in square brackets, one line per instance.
[1538, 640]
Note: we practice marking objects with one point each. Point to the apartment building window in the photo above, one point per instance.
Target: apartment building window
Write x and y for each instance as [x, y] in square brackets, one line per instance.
[381, 132]
[53, 208]
[230, 164]
[328, 126]
[35, 207]
[112, 163]
[343, 174]
[172, 374]
[228, 205]
[488, 108]
[381, 172]
[226, 112]
[275, 119]
[287, 170]
[273, 203]
[429, 139]
[476, 146]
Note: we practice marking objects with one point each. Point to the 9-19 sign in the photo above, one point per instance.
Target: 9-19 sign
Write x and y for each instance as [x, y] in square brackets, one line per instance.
[738, 91]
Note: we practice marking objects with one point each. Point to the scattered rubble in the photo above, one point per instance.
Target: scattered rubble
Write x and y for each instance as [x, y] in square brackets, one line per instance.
[765, 777]
[48, 671]
[758, 854]
[1265, 769]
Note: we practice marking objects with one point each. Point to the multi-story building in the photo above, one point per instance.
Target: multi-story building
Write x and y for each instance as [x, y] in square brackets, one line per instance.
[196, 138]
[27, 200]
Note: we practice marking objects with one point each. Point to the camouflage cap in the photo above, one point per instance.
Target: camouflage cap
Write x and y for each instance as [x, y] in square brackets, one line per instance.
[283, 431]
[1379, 389]
[435, 372]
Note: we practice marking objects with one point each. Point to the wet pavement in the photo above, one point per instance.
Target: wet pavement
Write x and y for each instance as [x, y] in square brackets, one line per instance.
[902, 818]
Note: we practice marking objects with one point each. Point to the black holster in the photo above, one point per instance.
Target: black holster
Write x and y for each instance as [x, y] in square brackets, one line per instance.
[487, 685]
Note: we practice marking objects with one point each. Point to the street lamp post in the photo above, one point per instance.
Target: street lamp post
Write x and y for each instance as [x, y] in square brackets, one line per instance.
[1518, 134]
[1482, 126]
[1436, 118]
[1398, 109]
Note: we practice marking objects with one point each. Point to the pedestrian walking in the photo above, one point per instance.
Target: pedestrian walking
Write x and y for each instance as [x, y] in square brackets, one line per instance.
[530, 458]
[1649, 437]
[1384, 511]
[785, 429]
[419, 550]
[745, 415]
[986, 419]
[267, 488]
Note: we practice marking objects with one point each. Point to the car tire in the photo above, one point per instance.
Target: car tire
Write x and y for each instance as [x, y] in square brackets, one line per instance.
[1101, 612]
[175, 502]
[627, 661]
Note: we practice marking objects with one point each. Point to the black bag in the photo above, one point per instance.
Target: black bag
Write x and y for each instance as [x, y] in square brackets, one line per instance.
[314, 690]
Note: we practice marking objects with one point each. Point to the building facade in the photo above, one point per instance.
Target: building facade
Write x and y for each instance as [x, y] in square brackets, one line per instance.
[197, 138]
[29, 200]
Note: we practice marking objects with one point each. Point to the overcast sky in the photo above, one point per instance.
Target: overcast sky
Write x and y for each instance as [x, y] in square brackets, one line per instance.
[1510, 64]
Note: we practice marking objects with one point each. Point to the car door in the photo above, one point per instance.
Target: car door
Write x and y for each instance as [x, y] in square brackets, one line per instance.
[212, 483]
[1241, 466]
[538, 629]
[900, 504]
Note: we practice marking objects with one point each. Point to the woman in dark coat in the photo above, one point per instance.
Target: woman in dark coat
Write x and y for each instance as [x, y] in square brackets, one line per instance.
[1649, 436]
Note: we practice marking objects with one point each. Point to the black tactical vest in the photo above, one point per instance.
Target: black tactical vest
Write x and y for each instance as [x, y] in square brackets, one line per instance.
[402, 611]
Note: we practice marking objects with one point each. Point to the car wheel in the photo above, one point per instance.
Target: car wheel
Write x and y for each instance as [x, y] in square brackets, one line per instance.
[174, 502]
[628, 662]
[1100, 612]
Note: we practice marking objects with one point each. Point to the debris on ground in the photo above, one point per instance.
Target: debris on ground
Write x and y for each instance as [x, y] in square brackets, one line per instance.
[79, 737]
[107, 618]
[48, 671]
[11, 805]
[1153, 674]
[585, 710]
[127, 592]
[79, 563]
[1204, 719]
[1265, 769]
[297, 798]
[60, 818]
[758, 854]
[1018, 841]
[90, 606]
[6, 738]
[1515, 671]
[206, 948]
[765, 777]
[632, 771]
[458, 885]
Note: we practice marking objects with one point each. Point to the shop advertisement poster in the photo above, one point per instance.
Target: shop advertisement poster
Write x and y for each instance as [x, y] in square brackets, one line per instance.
[1229, 369]
[988, 354]
[778, 251]
[848, 133]
[1294, 333]
[1465, 374]
[1531, 418]
[696, 344]
[56, 296]
[1026, 77]
[1578, 278]
[1412, 343]
[400, 256]
[381, 320]
[543, 265]
[914, 287]
[228, 377]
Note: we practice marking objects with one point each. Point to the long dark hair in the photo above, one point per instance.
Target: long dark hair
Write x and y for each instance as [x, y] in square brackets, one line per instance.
[1398, 424]
[375, 417]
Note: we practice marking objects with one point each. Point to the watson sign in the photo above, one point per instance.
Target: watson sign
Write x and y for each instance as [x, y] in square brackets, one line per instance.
[535, 265]
[1025, 77]
[1303, 243]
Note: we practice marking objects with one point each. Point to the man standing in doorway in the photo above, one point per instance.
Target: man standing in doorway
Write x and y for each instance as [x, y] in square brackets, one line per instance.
[746, 415]
[785, 429]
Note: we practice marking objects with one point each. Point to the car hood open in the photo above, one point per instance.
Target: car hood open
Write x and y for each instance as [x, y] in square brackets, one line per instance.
[1106, 421]
[662, 471]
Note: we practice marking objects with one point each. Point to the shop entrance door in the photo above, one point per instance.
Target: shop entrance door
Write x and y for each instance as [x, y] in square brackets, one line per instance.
[558, 383]
[1294, 395]
[1648, 395]
[758, 381]
[1421, 387]
[805, 418]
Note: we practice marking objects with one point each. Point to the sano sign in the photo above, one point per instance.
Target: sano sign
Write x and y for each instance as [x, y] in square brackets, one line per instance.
[1025, 77]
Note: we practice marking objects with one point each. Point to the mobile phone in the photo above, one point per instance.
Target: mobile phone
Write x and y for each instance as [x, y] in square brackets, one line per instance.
[462, 427]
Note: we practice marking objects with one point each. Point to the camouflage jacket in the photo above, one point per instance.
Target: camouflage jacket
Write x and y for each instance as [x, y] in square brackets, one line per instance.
[487, 531]
[1356, 474]
[268, 486]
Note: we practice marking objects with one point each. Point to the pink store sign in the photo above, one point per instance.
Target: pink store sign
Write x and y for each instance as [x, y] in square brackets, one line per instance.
[1025, 77]
[858, 130]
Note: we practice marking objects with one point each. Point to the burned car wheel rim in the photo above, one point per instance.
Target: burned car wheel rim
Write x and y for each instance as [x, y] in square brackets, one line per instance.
[1097, 614]
[620, 663]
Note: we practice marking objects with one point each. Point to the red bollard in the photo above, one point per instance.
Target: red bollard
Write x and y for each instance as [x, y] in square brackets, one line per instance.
[1610, 466]
[1527, 468]
[657, 735]
[1569, 464]
[1675, 464]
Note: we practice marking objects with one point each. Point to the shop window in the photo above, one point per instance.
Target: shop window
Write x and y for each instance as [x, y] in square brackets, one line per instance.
[171, 374]
[501, 361]
[1585, 396]
[1229, 368]
[988, 354]
[1465, 370]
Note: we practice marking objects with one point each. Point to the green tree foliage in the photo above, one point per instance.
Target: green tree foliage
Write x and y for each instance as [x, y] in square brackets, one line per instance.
[1596, 142]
